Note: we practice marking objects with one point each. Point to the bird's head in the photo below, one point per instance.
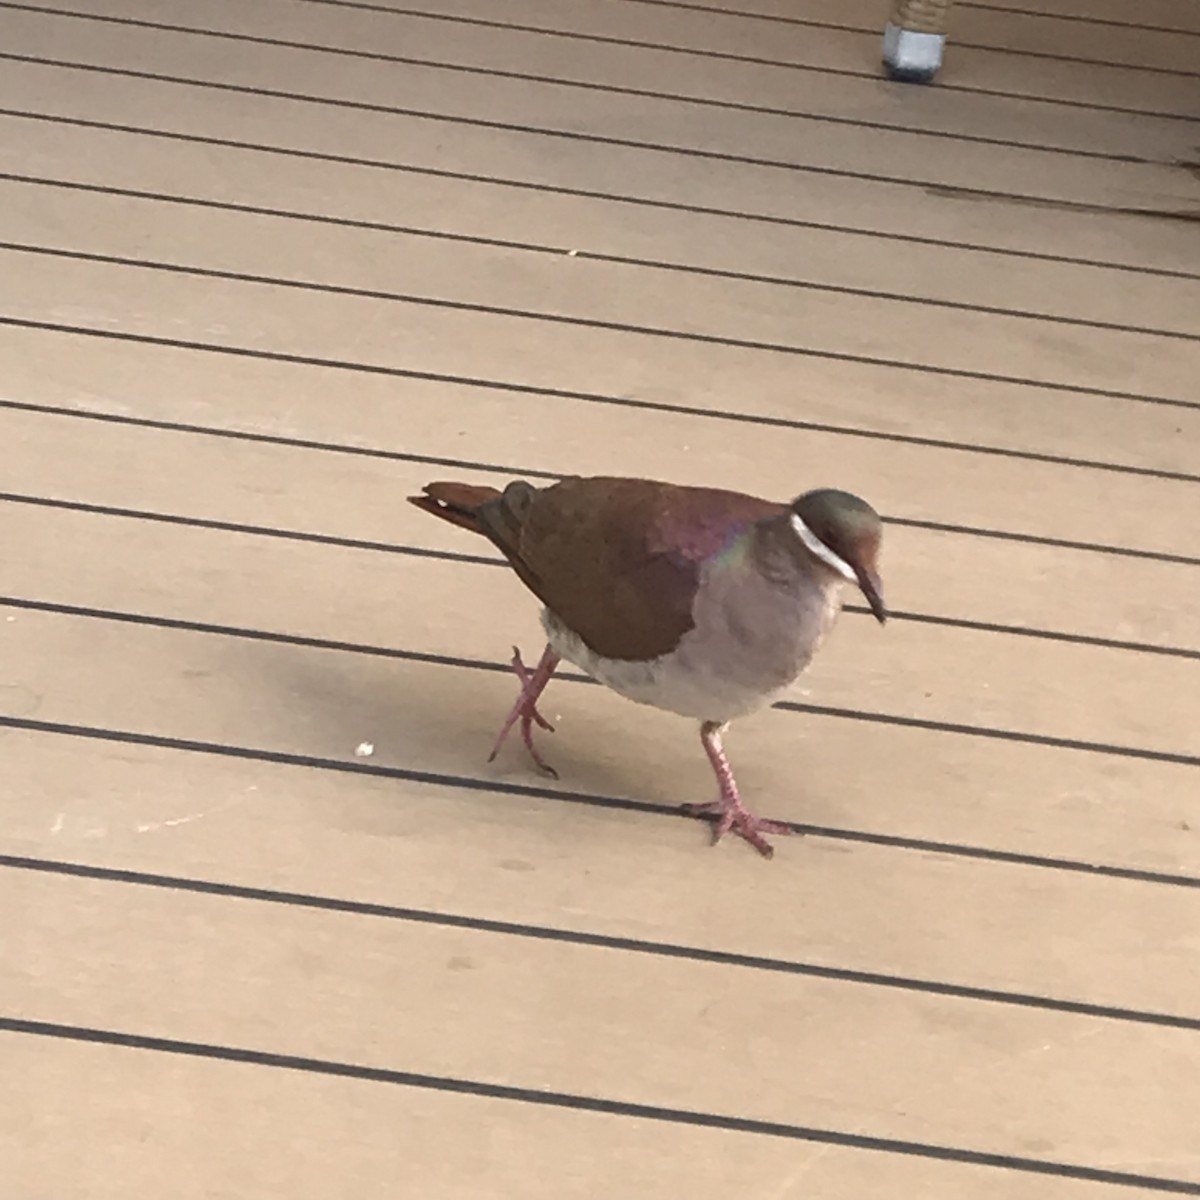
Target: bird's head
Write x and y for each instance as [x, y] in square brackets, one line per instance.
[844, 533]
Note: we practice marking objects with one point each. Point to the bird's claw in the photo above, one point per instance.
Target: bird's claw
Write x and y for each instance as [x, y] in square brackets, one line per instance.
[528, 711]
[525, 709]
[740, 821]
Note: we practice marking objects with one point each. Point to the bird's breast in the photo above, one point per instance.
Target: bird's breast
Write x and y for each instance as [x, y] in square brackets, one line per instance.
[749, 644]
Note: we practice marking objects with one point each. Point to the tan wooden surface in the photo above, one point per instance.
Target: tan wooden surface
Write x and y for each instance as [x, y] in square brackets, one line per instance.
[268, 267]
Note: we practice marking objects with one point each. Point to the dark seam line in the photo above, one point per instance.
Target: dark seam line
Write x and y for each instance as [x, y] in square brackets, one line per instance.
[1036, 540]
[1087, 20]
[271, 439]
[1003, 735]
[584, 193]
[729, 57]
[716, 414]
[871, 31]
[579, 84]
[1047, 56]
[416, 656]
[457, 556]
[596, 139]
[622, 327]
[291, 535]
[588, 799]
[261, 635]
[564, 1100]
[664, 265]
[544, 933]
[1074, 639]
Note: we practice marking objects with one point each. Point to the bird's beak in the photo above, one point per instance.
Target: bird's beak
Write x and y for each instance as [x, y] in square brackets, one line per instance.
[872, 588]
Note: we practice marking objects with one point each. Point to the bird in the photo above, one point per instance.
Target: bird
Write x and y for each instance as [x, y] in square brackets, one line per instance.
[699, 601]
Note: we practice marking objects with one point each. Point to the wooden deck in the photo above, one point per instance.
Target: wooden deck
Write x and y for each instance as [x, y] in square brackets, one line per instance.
[267, 267]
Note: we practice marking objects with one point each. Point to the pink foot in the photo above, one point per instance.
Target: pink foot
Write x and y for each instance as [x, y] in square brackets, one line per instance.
[525, 709]
[732, 815]
[740, 821]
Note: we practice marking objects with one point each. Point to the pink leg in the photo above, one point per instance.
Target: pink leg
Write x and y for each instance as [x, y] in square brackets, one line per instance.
[525, 710]
[731, 814]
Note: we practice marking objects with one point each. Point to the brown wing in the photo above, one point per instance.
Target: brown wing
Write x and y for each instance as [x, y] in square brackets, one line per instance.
[618, 560]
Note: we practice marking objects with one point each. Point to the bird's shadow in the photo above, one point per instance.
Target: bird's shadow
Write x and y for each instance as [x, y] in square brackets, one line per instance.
[444, 720]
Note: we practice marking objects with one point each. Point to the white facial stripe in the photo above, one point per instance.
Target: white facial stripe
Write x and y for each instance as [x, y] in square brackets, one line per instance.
[822, 551]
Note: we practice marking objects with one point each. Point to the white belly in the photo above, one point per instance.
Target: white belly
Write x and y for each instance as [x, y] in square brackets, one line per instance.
[669, 682]
[717, 672]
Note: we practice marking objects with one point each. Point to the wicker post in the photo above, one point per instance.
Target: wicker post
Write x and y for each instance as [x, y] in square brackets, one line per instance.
[913, 39]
